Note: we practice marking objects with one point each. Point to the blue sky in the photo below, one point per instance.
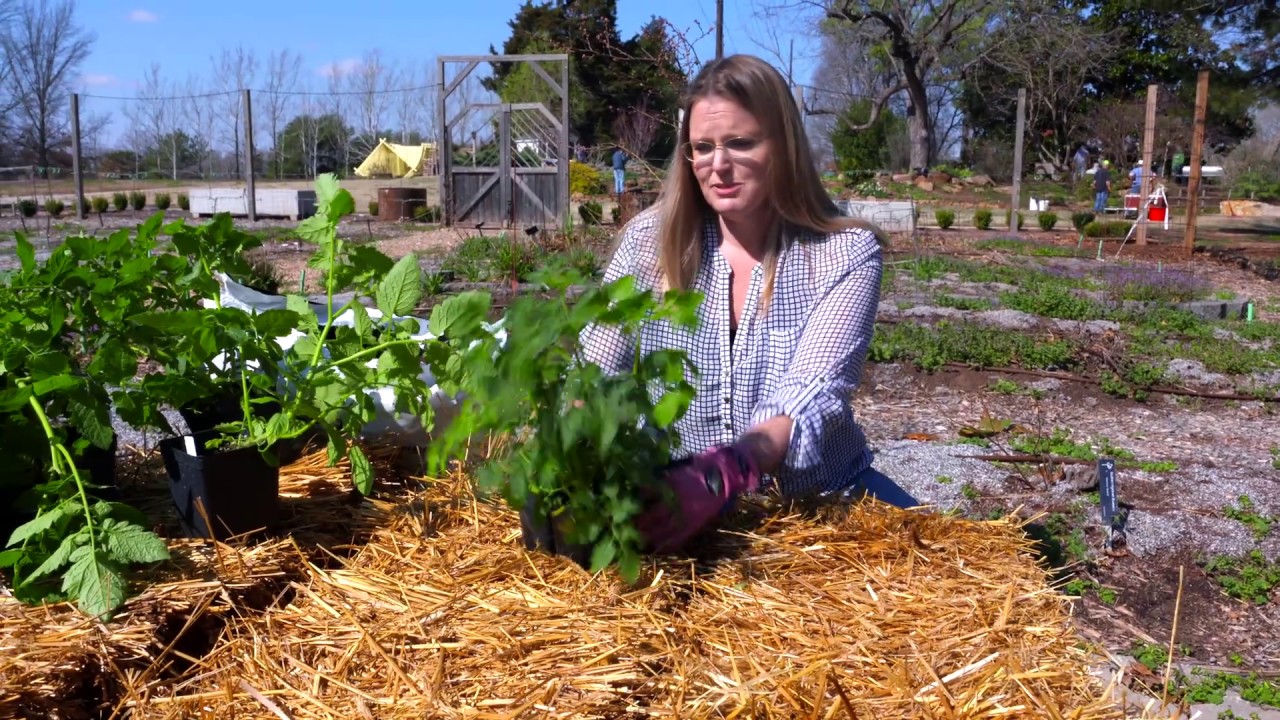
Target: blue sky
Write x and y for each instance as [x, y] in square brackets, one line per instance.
[182, 35]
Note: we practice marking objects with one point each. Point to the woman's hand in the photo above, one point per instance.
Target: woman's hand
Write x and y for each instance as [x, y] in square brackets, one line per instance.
[767, 442]
[704, 485]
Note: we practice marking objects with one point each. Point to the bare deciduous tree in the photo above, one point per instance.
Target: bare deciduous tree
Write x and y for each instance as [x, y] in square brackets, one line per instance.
[233, 72]
[43, 50]
[282, 80]
[1054, 67]
[370, 85]
[918, 38]
[636, 129]
[201, 120]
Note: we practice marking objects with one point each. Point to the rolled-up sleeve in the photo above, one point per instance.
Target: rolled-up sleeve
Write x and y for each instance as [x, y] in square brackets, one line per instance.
[815, 390]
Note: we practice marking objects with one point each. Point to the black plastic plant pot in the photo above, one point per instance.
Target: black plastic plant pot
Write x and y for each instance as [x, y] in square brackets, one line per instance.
[206, 414]
[235, 488]
[541, 531]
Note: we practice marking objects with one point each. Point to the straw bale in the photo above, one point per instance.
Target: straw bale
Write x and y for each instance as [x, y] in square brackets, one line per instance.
[435, 610]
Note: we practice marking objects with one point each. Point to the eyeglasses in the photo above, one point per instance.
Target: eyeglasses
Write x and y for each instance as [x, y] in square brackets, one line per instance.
[702, 151]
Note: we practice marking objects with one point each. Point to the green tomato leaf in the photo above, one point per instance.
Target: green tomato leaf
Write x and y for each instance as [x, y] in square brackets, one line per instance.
[129, 543]
[603, 553]
[401, 287]
[307, 320]
[11, 399]
[629, 566]
[361, 470]
[54, 384]
[40, 523]
[362, 322]
[91, 417]
[95, 582]
[671, 408]
[459, 314]
[58, 558]
[26, 252]
[276, 322]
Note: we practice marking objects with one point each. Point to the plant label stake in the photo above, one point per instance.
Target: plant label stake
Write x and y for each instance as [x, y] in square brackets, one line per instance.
[1110, 506]
[189, 443]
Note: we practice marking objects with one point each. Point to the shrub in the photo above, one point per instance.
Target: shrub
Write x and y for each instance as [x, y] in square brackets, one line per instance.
[120, 201]
[54, 207]
[616, 214]
[1107, 228]
[1080, 219]
[427, 213]
[945, 218]
[591, 211]
[28, 208]
[100, 204]
[138, 200]
[184, 202]
[982, 219]
[162, 201]
[261, 276]
[1009, 220]
[585, 180]
[373, 208]
[1047, 220]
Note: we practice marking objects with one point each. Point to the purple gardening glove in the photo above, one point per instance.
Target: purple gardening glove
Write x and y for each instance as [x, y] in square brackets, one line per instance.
[704, 486]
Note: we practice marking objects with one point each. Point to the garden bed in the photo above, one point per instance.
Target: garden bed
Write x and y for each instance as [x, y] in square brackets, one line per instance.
[424, 603]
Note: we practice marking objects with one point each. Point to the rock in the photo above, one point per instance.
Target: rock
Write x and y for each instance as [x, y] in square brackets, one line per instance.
[1081, 477]
[924, 184]
[1194, 372]
[903, 178]
[939, 177]
[979, 181]
[951, 188]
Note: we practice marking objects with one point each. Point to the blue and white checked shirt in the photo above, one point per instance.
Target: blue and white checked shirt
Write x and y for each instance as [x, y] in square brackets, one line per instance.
[802, 358]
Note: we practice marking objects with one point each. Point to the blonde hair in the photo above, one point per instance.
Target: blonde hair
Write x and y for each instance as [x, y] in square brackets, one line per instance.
[795, 188]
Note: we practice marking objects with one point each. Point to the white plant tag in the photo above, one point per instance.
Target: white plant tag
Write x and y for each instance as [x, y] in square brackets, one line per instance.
[191, 444]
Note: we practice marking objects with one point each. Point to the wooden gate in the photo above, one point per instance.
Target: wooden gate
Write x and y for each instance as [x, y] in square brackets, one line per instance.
[517, 173]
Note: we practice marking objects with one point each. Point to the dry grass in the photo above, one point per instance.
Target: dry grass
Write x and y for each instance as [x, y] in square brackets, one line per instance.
[425, 604]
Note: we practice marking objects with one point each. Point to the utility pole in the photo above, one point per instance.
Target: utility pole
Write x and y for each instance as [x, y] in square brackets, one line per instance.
[1148, 137]
[1020, 129]
[719, 29]
[1197, 149]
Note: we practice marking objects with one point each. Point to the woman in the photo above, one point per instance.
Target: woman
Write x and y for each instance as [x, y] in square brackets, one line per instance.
[791, 290]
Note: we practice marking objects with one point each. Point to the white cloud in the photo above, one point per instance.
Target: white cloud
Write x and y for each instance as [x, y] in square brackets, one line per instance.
[143, 16]
[98, 80]
[339, 68]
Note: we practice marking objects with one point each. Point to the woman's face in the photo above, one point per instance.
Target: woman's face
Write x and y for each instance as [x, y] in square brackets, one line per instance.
[728, 152]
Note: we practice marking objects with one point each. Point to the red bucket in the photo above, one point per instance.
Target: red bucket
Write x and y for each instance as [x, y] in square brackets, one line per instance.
[1156, 214]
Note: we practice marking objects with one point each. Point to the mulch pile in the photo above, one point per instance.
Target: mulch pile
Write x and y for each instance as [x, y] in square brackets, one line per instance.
[423, 603]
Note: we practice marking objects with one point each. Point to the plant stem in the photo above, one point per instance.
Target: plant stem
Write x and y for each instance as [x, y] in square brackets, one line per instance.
[55, 448]
[375, 350]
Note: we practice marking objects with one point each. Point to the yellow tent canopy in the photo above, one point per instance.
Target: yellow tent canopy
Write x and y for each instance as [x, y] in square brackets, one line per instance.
[399, 160]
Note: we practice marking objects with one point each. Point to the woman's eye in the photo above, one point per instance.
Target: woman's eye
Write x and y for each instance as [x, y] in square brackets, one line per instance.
[741, 144]
[704, 148]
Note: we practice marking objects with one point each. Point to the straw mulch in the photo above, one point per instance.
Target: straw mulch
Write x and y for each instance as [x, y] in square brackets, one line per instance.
[427, 606]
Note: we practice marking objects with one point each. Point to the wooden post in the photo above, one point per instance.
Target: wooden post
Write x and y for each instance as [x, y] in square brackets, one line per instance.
[1148, 138]
[1197, 148]
[81, 211]
[719, 29]
[1017, 158]
[251, 191]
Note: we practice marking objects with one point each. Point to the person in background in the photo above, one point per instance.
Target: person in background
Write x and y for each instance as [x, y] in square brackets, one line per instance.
[1101, 186]
[1079, 163]
[619, 170]
[790, 287]
[1135, 179]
